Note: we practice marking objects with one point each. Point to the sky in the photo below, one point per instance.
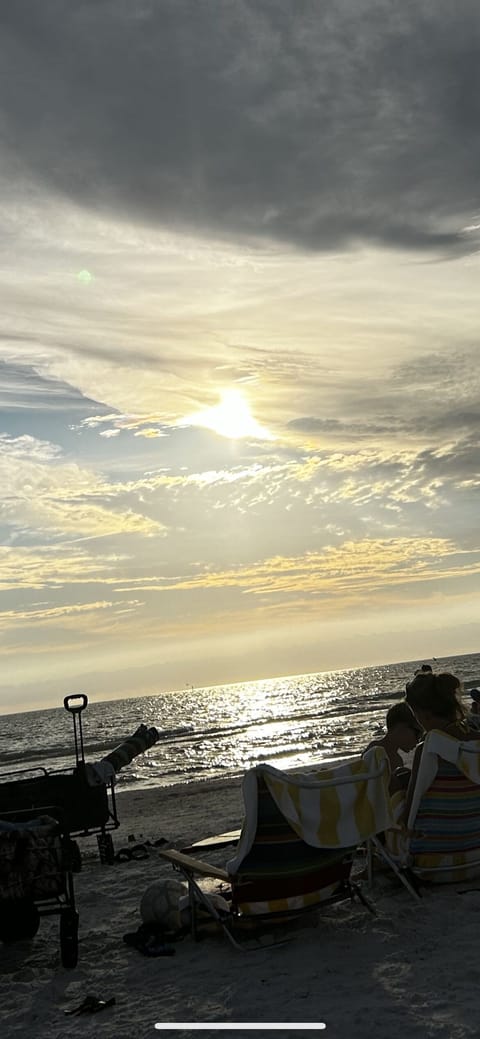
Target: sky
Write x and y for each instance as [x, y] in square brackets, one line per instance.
[239, 378]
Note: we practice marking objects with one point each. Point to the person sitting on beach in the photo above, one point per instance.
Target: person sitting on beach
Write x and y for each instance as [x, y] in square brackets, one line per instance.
[434, 700]
[424, 669]
[403, 733]
[473, 716]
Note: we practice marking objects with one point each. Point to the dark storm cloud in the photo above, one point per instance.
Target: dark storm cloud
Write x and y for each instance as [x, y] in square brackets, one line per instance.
[317, 124]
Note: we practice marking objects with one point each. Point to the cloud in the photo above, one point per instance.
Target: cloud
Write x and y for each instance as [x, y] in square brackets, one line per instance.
[351, 570]
[66, 615]
[345, 430]
[24, 387]
[38, 411]
[188, 488]
[27, 447]
[82, 519]
[433, 394]
[321, 127]
[42, 492]
[54, 567]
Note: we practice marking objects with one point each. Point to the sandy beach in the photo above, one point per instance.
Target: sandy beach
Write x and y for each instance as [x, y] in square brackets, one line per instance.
[410, 970]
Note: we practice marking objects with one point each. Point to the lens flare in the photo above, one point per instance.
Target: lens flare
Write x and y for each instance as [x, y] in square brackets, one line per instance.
[85, 277]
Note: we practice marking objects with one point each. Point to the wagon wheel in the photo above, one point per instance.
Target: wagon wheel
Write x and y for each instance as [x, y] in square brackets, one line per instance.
[19, 920]
[69, 937]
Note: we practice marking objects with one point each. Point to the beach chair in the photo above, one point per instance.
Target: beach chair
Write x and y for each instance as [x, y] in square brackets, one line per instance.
[297, 843]
[441, 843]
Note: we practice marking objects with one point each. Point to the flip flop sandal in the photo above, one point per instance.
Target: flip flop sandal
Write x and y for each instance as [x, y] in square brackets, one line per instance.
[102, 1004]
[124, 855]
[139, 852]
[91, 1005]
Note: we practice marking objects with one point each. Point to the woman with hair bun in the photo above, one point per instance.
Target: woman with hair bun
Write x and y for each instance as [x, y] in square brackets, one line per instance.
[434, 699]
[435, 702]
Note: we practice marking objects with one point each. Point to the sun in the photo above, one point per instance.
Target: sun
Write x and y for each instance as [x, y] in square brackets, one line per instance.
[231, 418]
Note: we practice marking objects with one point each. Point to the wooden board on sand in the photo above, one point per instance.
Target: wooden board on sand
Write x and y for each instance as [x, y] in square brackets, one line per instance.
[218, 840]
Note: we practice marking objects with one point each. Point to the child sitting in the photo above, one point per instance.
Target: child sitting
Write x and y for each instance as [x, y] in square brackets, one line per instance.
[403, 733]
[473, 716]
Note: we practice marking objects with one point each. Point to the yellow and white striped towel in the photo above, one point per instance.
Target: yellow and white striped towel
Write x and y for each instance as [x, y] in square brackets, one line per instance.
[336, 807]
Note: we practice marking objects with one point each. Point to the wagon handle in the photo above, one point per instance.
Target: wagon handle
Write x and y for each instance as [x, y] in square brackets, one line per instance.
[77, 707]
[76, 710]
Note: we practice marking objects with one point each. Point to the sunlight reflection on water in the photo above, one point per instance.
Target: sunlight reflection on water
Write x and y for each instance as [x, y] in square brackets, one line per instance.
[291, 722]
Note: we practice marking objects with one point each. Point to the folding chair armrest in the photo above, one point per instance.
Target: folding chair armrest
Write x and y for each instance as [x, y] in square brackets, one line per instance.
[193, 865]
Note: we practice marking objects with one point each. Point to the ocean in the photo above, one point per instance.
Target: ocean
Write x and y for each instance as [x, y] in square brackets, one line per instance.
[209, 733]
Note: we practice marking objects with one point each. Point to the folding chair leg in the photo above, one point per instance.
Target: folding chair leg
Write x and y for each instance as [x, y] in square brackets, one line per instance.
[381, 850]
[196, 895]
[369, 865]
[200, 896]
[357, 891]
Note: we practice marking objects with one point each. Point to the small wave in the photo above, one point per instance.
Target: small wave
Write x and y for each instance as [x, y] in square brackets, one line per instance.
[170, 734]
[51, 753]
[321, 718]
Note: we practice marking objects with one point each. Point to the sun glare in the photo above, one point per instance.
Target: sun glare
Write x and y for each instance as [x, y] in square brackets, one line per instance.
[230, 418]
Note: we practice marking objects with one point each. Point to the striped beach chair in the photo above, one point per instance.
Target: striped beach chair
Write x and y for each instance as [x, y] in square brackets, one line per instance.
[441, 843]
[281, 873]
[298, 840]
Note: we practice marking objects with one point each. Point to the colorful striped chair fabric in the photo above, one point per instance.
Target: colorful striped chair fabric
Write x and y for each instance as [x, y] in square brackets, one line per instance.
[281, 872]
[300, 833]
[298, 839]
[442, 840]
